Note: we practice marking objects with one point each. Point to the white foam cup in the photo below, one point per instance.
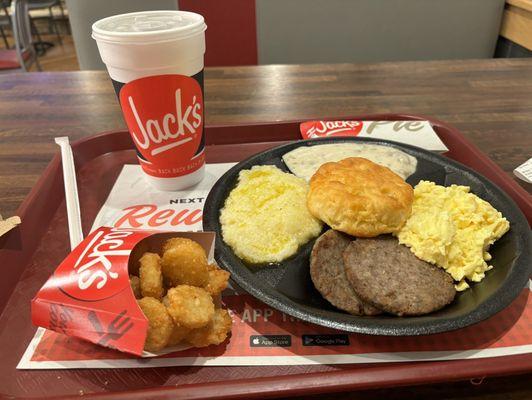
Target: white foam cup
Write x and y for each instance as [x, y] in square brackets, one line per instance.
[155, 60]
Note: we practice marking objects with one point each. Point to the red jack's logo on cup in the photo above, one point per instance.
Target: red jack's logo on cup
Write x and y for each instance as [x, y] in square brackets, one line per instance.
[164, 114]
[93, 276]
[317, 129]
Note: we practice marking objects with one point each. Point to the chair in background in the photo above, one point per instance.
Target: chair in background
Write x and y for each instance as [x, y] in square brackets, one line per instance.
[5, 20]
[23, 56]
[48, 4]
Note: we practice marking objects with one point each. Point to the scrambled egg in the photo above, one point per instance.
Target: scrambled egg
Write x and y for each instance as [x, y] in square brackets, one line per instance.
[265, 217]
[453, 229]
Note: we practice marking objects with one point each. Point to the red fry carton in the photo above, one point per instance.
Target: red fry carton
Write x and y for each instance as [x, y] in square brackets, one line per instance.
[89, 295]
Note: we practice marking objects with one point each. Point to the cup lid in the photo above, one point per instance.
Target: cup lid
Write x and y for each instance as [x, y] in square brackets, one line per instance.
[148, 26]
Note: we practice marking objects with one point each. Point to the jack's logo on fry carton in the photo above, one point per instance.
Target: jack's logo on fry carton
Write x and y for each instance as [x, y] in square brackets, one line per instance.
[316, 129]
[164, 115]
[94, 275]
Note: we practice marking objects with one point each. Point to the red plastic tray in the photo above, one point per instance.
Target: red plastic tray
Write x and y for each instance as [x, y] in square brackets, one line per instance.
[31, 252]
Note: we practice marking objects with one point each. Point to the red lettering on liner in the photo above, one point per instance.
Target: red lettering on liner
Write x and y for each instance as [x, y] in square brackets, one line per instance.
[148, 215]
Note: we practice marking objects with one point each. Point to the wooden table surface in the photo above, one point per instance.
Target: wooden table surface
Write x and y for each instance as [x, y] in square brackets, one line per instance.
[490, 101]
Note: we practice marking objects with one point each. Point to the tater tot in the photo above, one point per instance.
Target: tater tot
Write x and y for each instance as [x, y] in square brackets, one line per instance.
[189, 306]
[218, 279]
[214, 333]
[160, 324]
[134, 281]
[151, 278]
[184, 262]
[134, 258]
[179, 333]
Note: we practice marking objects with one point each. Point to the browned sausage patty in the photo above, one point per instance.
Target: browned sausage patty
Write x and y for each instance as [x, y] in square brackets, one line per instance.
[328, 274]
[387, 275]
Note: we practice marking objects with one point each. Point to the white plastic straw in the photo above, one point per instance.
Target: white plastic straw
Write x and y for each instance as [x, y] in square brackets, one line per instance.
[71, 192]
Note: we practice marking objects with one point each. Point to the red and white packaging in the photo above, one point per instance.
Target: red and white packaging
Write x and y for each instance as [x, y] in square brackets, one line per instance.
[415, 133]
[89, 295]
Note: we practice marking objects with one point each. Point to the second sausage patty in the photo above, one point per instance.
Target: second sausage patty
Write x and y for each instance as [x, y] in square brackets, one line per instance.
[389, 276]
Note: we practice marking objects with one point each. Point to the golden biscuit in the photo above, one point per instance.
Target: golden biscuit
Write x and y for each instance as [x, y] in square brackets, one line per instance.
[359, 197]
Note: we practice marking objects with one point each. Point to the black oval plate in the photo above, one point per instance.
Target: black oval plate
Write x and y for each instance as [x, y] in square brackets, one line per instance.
[287, 286]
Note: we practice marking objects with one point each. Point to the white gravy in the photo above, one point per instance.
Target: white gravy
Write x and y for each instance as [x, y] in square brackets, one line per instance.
[305, 160]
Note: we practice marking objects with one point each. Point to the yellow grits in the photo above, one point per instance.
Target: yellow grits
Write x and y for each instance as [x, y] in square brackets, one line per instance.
[265, 217]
